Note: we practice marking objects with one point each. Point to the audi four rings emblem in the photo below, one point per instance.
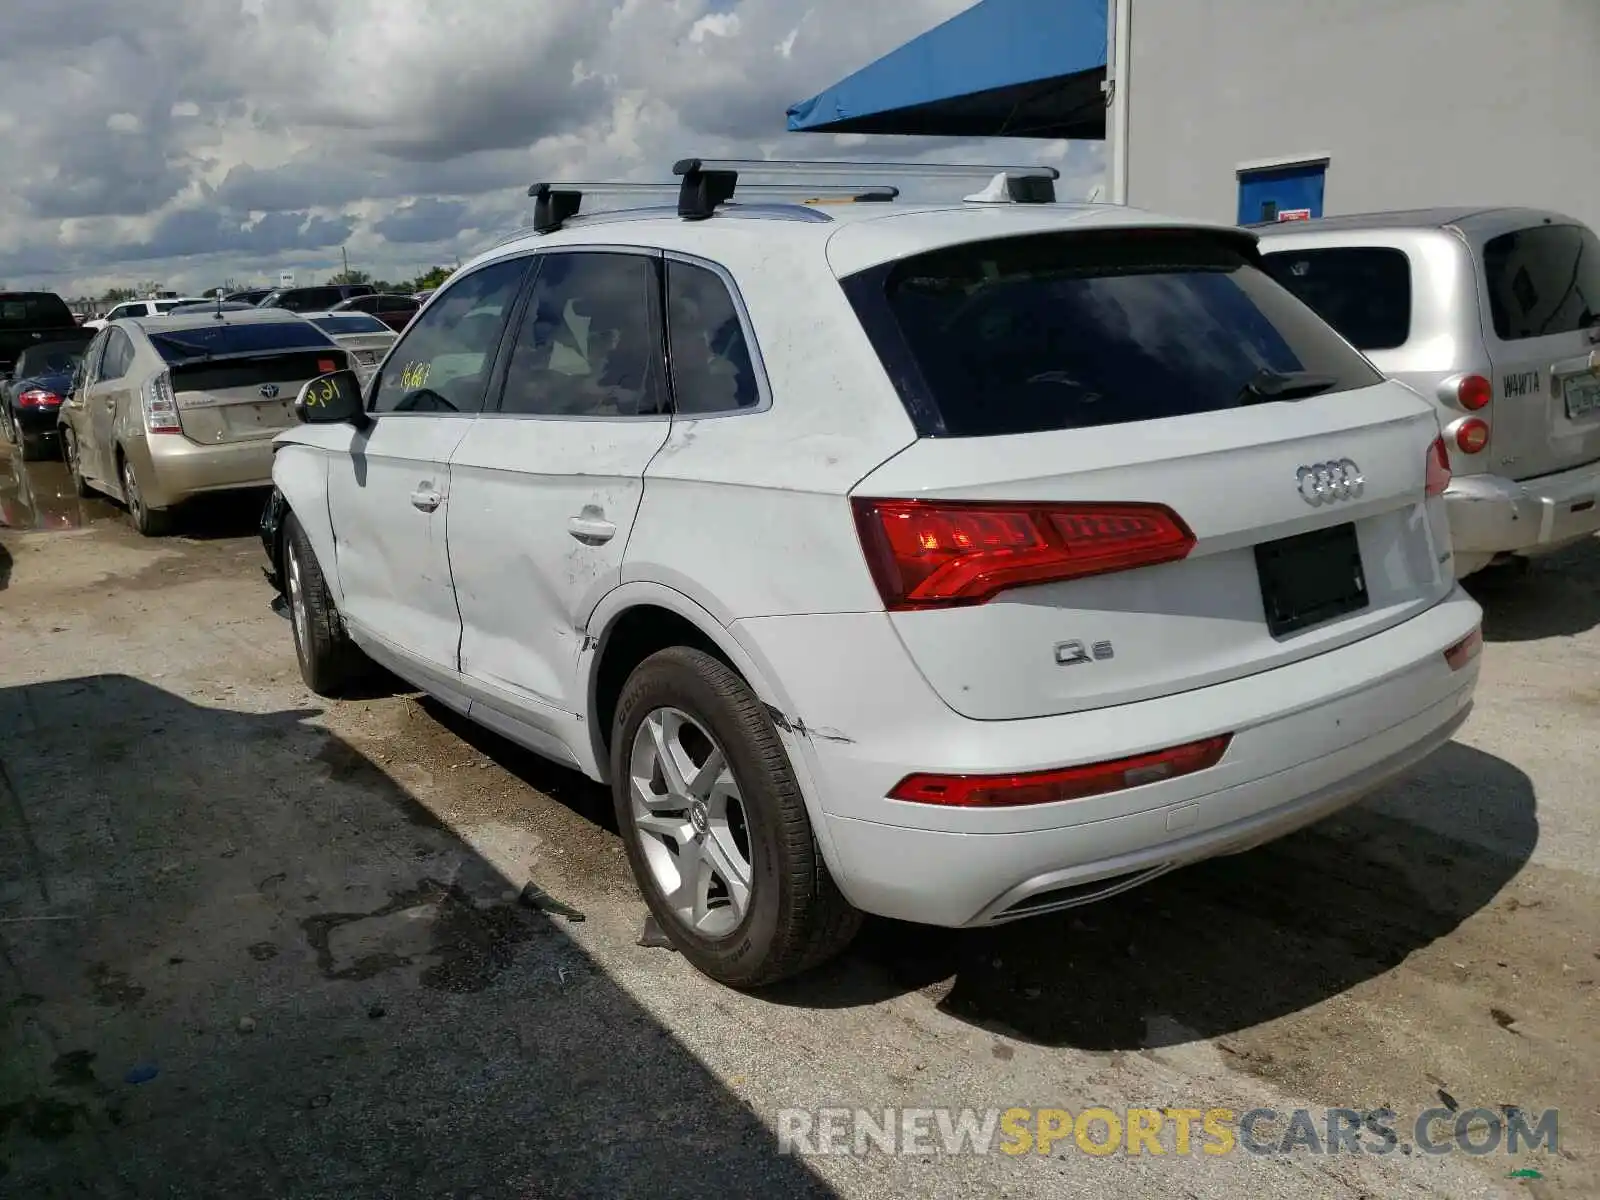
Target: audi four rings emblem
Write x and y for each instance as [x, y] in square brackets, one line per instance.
[1330, 482]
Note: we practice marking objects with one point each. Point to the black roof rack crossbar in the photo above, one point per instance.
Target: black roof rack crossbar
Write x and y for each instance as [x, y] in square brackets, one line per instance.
[557, 203]
[705, 184]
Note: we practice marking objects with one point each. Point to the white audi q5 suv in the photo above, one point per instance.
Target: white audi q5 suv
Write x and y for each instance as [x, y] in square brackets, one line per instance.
[955, 563]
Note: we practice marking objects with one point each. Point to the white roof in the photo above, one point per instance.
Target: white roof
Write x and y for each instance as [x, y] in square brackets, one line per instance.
[854, 236]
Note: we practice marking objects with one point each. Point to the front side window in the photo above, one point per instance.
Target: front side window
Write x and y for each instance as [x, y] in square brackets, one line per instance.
[1076, 330]
[1362, 291]
[587, 345]
[442, 363]
[711, 367]
[1543, 280]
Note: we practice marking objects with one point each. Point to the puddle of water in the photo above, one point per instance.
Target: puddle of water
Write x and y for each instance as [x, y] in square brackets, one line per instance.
[40, 495]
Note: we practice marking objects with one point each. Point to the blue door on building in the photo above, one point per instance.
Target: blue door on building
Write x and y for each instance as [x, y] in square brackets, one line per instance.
[1281, 193]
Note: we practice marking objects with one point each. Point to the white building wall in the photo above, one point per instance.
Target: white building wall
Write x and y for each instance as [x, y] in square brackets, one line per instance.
[1415, 102]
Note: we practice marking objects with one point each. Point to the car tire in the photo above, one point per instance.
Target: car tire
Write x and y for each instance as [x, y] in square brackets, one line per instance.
[33, 447]
[151, 522]
[330, 663]
[69, 455]
[744, 818]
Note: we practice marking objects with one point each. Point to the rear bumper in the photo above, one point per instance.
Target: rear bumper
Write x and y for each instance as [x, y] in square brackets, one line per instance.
[1308, 739]
[1490, 515]
[37, 422]
[172, 468]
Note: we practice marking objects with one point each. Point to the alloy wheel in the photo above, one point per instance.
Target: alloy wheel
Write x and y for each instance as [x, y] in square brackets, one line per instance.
[690, 820]
[297, 598]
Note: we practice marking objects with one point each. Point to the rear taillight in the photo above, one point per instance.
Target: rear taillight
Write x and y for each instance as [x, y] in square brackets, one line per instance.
[939, 554]
[160, 405]
[1068, 783]
[1474, 392]
[1472, 435]
[1464, 651]
[326, 366]
[1438, 467]
[38, 398]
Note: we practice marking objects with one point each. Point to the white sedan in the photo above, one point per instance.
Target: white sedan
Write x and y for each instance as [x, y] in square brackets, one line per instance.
[367, 338]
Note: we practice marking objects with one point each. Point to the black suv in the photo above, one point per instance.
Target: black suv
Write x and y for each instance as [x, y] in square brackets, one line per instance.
[315, 299]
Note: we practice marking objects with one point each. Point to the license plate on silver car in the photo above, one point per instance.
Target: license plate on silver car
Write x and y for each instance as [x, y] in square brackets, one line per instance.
[1583, 398]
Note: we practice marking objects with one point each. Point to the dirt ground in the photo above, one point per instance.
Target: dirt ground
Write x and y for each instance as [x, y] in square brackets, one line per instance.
[254, 944]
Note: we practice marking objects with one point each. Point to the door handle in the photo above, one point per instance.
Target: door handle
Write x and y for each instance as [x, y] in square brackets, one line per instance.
[591, 531]
[426, 499]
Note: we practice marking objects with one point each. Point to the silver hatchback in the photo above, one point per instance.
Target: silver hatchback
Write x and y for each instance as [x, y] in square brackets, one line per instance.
[1493, 314]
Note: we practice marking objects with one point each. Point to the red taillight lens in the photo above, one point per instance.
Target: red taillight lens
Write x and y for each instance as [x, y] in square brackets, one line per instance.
[1464, 651]
[1068, 783]
[931, 553]
[1472, 435]
[38, 398]
[1474, 392]
[1438, 467]
[327, 366]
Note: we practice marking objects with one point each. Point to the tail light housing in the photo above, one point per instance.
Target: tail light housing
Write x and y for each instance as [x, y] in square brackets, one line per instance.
[1067, 783]
[1472, 435]
[160, 405]
[1474, 392]
[38, 398]
[941, 554]
[1438, 467]
[1464, 651]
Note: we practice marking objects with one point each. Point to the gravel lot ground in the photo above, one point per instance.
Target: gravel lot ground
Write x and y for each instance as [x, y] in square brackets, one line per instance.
[253, 944]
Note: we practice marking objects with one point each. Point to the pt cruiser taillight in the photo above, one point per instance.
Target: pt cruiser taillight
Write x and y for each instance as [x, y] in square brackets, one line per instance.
[940, 554]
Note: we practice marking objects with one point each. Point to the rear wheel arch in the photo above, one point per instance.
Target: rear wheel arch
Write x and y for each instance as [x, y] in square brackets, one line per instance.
[638, 619]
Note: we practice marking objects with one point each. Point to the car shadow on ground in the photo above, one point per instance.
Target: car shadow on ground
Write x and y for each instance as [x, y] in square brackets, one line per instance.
[1557, 596]
[221, 515]
[228, 968]
[1224, 945]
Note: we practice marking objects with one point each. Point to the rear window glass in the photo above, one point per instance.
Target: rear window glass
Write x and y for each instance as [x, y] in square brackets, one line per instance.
[258, 337]
[350, 323]
[33, 310]
[1071, 331]
[1543, 280]
[1362, 291]
[58, 358]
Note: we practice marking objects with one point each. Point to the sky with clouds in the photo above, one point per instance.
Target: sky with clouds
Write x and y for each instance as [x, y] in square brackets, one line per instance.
[191, 141]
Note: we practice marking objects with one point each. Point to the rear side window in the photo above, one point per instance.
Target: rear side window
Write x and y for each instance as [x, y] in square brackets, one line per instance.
[1362, 291]
[1543, 280]
[711, 367]
[1071, 331]
[118, 357]
[257, 337]
[33, 310]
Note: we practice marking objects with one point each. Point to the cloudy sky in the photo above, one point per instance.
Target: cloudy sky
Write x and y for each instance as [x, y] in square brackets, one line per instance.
[191, 141]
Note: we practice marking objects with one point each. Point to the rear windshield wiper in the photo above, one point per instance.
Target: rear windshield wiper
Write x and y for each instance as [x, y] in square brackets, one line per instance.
[1271, 385]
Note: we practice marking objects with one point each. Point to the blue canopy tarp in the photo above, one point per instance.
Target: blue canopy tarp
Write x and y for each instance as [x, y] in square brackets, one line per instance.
[1003, 68]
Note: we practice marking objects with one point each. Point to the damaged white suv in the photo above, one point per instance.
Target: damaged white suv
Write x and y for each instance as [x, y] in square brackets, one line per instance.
[956, 563]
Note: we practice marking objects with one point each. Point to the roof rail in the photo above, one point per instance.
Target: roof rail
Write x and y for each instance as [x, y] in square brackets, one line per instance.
[707, 183]
[557, 203]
